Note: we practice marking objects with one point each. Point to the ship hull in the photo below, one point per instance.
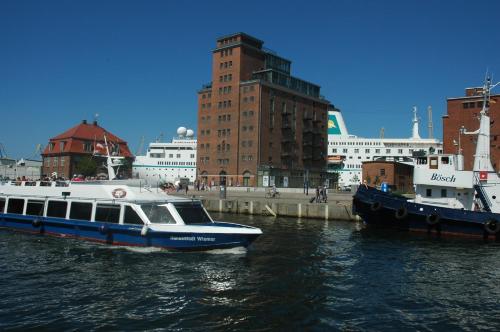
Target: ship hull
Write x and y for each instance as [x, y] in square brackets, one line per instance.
[380, 209]
[131, 235]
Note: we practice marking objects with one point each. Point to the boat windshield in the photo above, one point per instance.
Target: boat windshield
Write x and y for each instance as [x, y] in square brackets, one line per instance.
[157, 214]
[192, 213]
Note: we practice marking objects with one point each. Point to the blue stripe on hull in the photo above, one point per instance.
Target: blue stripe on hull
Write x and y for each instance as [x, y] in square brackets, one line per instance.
[452, 221]
[127, 235]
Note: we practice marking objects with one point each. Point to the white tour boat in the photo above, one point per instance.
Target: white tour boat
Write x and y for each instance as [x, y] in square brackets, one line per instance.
[117, 212]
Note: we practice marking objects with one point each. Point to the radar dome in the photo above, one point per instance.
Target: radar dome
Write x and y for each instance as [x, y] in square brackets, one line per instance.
[181, 131]
[189, 133]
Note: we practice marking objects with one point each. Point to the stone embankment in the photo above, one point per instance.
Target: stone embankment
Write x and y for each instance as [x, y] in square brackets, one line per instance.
[291, 203]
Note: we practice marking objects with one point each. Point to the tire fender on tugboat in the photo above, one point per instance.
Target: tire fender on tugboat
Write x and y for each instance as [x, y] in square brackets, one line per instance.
[401, 213]
[492, 226]
[433, 219]
[375, 206]
[103, 229]
[36, 223]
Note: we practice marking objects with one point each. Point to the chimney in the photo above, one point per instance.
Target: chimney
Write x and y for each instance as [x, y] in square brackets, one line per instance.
[95, 122]
[84, 121]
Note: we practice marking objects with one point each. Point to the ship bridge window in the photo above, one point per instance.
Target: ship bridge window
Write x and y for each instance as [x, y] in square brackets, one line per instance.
[131, 217]
[157, 214]
[15, 205]
[35, 208]
[80, 211]
[107, 213]
[445, 160]
[57, 209]
[2, 204]
[192, 213]
[421, 161]
[433, 162]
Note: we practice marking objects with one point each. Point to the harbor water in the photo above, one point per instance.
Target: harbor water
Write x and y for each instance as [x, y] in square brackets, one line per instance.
[299, 275]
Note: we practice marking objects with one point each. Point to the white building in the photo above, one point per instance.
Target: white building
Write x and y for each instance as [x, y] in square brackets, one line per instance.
[12, 169]
[346, 153]
[169, 162]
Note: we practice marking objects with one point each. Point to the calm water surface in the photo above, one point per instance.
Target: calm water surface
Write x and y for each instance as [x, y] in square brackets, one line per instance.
[300, 275]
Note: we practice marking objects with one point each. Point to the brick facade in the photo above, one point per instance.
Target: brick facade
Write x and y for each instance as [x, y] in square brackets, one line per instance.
[255, 119]
[398, 176]
[464, 111]
[64, 151]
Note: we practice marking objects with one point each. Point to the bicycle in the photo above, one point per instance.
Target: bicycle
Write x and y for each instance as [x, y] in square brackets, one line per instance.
[269, 194]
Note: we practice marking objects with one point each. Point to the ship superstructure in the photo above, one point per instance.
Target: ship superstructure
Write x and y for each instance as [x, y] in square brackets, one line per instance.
[169, 162]
[346, 152]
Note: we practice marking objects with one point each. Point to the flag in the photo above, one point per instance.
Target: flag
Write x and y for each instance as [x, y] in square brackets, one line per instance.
[483, 176]
[99, 149]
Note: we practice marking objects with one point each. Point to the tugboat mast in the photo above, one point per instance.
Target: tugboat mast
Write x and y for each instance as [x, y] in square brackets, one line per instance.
[482, 161]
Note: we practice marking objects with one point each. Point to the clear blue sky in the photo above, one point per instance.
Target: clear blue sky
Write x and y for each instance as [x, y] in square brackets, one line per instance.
[139, 64]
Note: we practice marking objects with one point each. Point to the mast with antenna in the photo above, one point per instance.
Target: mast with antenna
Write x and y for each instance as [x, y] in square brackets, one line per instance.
[382, 132]
[430, 126]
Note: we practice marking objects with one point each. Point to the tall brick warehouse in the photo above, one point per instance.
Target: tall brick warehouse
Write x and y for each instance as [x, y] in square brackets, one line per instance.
[464, 111]
[257, 124]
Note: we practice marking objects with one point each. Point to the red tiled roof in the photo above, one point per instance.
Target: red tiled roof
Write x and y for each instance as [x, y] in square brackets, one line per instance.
[88, 132]
[75, 138]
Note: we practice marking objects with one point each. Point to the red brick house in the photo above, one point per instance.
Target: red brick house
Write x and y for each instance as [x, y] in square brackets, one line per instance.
[398, 176]
[64, 151]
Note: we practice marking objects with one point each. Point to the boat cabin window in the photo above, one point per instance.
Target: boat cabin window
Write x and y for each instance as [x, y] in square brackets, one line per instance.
[433, 162]
[192, 213]
[158, 214]
[35, 207]
[428, 192]
[131, 217]
[15, 205]
[57, 209]
[107, 213]
[80, 211]
[2, 204]
[422, 161]
[445, 160]
[444, 193]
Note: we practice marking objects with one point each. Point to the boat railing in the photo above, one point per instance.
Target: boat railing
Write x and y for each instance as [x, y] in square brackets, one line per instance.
[92, 199]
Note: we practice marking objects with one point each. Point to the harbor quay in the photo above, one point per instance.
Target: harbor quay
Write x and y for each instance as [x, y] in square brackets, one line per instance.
[291, 202]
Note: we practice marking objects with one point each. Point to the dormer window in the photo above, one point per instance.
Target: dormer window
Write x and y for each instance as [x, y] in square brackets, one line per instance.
[51, 146]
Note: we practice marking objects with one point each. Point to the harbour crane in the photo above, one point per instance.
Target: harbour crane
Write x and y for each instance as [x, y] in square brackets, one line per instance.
[138, 152]
[3, 154]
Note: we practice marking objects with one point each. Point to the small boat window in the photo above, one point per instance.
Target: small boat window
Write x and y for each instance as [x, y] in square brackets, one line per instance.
[158, 214]
[80, 211]
[445, 160]
[2, 204]
[192, 213]
[422, 161]
[57, 209]
[428, 192]
[35, 208]
[107, 213]
[433, 163]
[131, 217]
[16, 205]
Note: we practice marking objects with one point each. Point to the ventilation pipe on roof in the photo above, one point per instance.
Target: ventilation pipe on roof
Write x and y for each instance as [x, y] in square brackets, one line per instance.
[84, 121]
[95, 122]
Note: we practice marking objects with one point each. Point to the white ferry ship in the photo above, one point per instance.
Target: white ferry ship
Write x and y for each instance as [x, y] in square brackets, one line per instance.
[169, 162]
[346, 152]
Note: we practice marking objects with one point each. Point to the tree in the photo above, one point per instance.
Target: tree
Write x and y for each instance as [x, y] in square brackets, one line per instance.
[86, 166]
